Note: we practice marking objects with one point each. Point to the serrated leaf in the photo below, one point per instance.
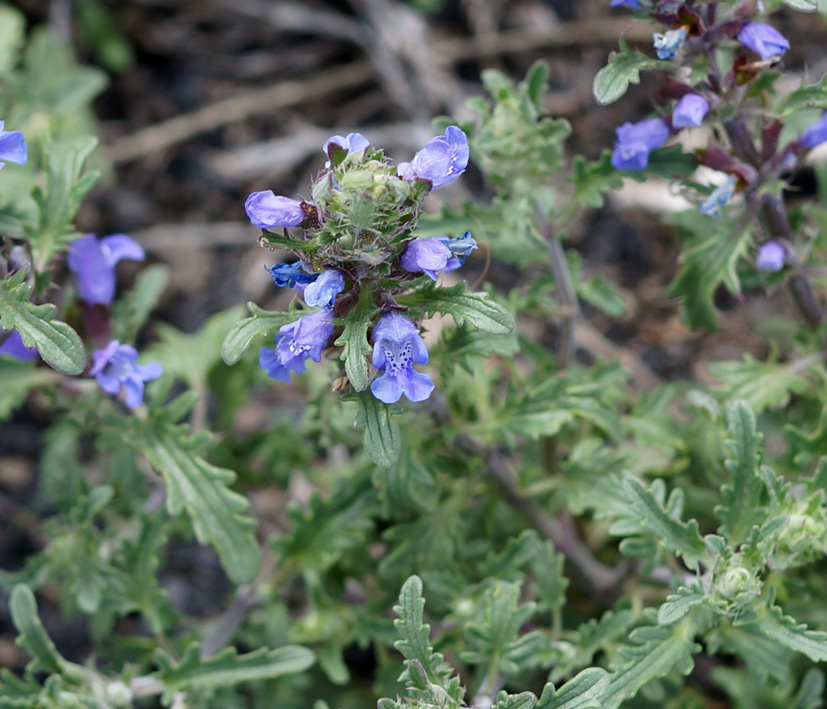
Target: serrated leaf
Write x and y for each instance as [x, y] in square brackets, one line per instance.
[58, 344]
[584, 691]
[33, 638]
[741, 509]
[680, 537]
[524, 700]
[678, 604]
[652, 652]
[788, 632]
[814, 96]
[382, 439]
[476, 308]
[202, 490]
[624, 68]
[762, 385]
[228, 668]
[261, 323]
[355, 347]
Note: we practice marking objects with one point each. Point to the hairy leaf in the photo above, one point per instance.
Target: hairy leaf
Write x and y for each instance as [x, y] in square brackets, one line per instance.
[624, 68]
[382, 439]
[261, 323]
[585, 691]
[476, 308]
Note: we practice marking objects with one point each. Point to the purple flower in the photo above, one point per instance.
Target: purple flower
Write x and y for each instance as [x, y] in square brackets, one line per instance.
[711, 206]
[669, 44]
[635, 140]
[441, 161]
[427, 256]
[267, 210]
[306, 337]
[634, 4]
[290, 275]
[323, 291]
[396, 346]
[816, 134]
[116, 367]
[353, 143]
[13, 347]
[771, 257]
[12, 146]
[94, 263]
[763, 39]
[689, 111]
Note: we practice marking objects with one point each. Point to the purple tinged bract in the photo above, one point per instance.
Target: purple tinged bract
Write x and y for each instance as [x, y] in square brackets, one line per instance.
[12, 146]
[13, 347]
[763, 39]
[306, 337]
[815, 134]
[94, 261]
[689, 111]
[397, 345]
[116, 367]
[323, 291]
[771, 257]
[268, 211]
[635, 141]
[441, 161]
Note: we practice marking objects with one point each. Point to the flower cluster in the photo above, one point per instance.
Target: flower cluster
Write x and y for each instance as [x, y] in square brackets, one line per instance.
[357, 252]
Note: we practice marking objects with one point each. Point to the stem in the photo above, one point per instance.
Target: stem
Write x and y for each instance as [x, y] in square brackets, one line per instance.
[566, 297]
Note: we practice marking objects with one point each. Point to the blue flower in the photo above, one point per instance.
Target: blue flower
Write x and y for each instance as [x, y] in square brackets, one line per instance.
[116, 367]
[816, 134]
[267, 210]
[668, 44]
[635, 140]
[763, 39]
[771, 257]
[711, 206]
[689, 111]
[396, 346]
[441, 161]
[306, 337]
[12, 146]
[94, 263]
[460, 248]
[634, 4]
[323, 291]
[352, 143]
[289, 275]
[13, 347]
[427, 256]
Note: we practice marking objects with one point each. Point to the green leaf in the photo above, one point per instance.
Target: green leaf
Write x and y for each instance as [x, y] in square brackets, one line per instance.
[584, 691]
[678, 604]
[476, 308]
[788, 632]
[624, 68]
[228, 668]
[814, 96]
[803, 5]
[524, 700]
[382, 439]
[261, 323]
[593, 179]
[416, 644]
[33, 638]
[652, 652]
[741, 509]
[58, 344]
[811, 692]
[680, 537]
[602, 295]
[19, 378]
[202, 490]
[131, 313]
[762, 385]
[12, 35]
[354, 343]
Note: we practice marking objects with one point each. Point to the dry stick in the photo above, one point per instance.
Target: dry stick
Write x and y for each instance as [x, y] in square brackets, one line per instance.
[264, 101]
[773, 216]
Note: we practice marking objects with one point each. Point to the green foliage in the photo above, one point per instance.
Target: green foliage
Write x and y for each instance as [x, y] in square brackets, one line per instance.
[623, 69]
[243, 333]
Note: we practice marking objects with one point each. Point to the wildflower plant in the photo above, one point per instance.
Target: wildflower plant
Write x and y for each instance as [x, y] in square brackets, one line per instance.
[524, 520]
